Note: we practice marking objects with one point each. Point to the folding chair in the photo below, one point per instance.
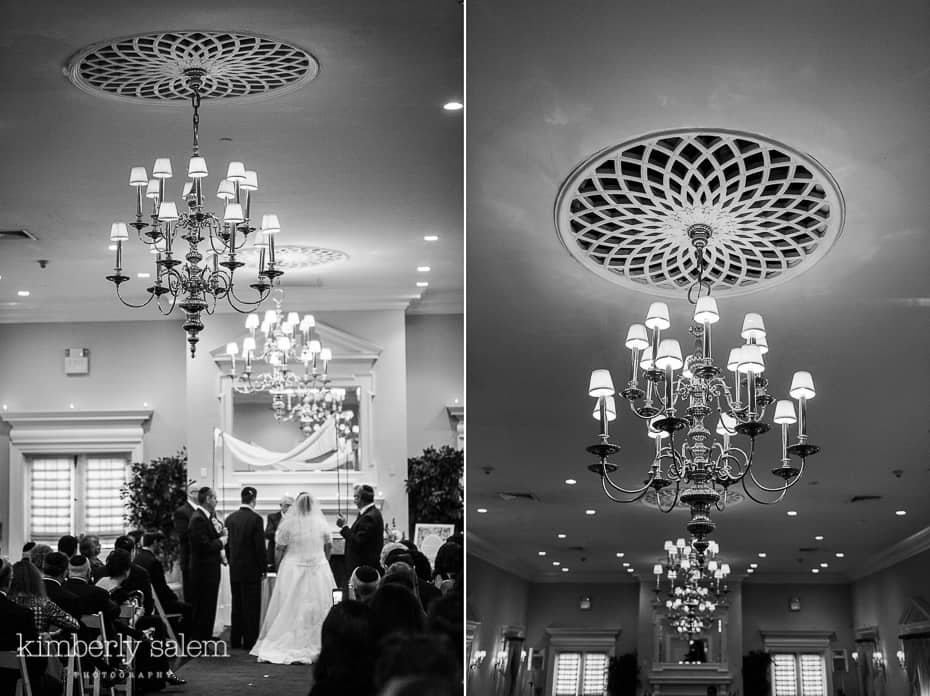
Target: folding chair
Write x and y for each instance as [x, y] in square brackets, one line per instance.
[10, 660]
[95, 621]
[73, 670]
[160, 610]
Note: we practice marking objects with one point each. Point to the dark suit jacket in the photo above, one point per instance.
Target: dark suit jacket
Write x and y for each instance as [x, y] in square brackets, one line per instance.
[245, 546]
[364, 540]
[16, 621]
[92, 599]
[274, 519]
[182, 520]
[205, 542]
[63, 597]
[138, 580]
[156, 571]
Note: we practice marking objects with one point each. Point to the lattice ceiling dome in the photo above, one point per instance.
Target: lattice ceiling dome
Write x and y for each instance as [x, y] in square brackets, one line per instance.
[150, 67]
[625, 213]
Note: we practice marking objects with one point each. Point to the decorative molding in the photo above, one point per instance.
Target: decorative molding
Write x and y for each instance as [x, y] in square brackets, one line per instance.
[457, 413]
[915, 619]
[906, 548]
[478, 547]
[798, 639]
[570, 637]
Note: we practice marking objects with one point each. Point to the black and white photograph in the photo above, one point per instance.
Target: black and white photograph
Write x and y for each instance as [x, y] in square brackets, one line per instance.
[231, 348]
[698, 265]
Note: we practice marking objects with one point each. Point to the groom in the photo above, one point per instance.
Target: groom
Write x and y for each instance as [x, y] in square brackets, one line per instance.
[365, 537]
[246, 552]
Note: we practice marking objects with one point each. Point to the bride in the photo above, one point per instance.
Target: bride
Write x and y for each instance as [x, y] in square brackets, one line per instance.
[302, 595]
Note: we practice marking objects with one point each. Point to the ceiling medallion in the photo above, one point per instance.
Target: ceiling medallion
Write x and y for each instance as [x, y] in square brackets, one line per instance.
[236, 65]
[298, 258]
[626, 211]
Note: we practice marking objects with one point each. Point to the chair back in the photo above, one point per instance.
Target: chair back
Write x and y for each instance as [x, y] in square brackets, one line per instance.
[9, 659]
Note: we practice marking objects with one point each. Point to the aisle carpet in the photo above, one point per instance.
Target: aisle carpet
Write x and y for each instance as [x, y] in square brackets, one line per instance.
[241, 674]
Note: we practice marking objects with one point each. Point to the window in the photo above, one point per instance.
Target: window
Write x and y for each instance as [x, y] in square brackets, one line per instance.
[799, 674]
[77, 494]
[580, 674]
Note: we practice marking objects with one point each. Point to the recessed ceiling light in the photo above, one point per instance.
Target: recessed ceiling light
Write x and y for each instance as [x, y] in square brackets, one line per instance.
[753, 565]
[625, 564]
[840, 554]
[70, 405]
[560, 536]
[815, 570]
[629, 570]
[556, 563]
[112, 247]
[145, 404]
[762, 554]
[423, 269]
[22, 293]
[590, 512]
[792, 513]
[824, 565]
[750, 570]
[819, 537]
[564, 570]
[619, 554]
[541, 553]
[453, 105]
[571, 482]
[143, 275]
[899, 513]
[482, 510]
[422, 284]
[431, 238]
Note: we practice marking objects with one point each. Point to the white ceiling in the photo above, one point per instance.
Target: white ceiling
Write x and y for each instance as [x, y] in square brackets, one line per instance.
[551, 83]
[363, 159]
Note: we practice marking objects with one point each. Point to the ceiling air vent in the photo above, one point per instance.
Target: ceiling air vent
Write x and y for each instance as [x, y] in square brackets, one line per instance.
[864, 498]
[509, 497]
[16, 234]
[808, 549]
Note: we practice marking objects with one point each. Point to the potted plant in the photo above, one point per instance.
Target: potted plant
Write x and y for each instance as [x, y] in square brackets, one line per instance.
[434, 486]
[152, 494]
[756, 673]
[623, 675]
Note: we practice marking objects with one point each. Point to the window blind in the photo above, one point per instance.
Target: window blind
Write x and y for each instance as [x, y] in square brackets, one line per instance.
[50, 498]
[103, 507]
[813, 677]
[785, 681]
[567, 674]
[594, 674]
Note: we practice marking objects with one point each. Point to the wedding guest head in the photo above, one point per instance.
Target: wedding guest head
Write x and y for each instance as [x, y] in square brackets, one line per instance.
[136, 535]
[56, 565]
[449, 560]
[396, 610]
[417, 656]
[420, 686]
[27, 580]
[193, 488]
[364, 583]
[27, 548]
[118, 564]
[285, 503]
[364, 495]
[68, 545]
[388, 549]
[153, 541]
[79, 567]
[206, 498]
[402, 574]
[126, 543]
[421, 565]
[248, 496]
[38, 554]
[89, 546]
[347, 656]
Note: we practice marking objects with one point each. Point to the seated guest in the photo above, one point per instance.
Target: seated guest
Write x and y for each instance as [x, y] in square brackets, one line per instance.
[17, 626]
[27, 549]
[417, 656]
[448, 561]
[37, 555]
[55, 569]
[68, 545]
[364, 583]
[138, 579]
[445, 618]
[396, 610]
[91, 599]
[89, 546]
[28, 591]
[425, 591]
[347, 659]
[148, 558]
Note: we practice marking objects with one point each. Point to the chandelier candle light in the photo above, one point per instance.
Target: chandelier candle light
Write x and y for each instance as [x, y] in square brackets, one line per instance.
[672, 394]
[201, 279]
[696, 588]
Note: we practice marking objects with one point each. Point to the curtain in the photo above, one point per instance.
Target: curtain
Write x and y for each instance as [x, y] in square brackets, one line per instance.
[917, 659]
[322, 442]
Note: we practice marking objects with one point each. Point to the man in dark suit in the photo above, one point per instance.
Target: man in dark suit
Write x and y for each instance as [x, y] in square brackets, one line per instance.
[54, 570]
[182, 520]
[138, 579]
[91, 599]
[245, 549]
[206, 543]
[148, 558]
[365, 538]
[17, 625]
[274, 519]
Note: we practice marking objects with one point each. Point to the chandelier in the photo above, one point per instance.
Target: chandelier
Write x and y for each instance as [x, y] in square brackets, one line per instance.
[189, 278]
[695, 585]
[674, 396]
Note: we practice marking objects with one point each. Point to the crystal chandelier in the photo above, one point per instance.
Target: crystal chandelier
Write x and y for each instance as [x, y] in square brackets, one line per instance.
[675, 395]
[695, 588]
[197, 280]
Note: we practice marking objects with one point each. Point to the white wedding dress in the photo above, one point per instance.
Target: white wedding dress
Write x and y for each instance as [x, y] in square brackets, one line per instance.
[303, 591]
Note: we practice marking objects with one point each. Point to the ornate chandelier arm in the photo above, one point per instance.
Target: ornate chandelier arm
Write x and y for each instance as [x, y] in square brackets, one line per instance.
[781, 489]
[174, 300]
[637, 494]
[248, 304]
[130, 304]
[674, 499]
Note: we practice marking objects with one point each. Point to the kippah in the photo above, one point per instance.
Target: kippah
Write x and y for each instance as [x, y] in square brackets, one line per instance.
[366, 574]
[78, 562]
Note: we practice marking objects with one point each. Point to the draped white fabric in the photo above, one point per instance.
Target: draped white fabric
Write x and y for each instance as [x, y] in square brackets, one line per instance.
[319, 444]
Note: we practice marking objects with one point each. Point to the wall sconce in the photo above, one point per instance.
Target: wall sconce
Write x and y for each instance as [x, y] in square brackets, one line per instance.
[477, 657]
[901, 660]
[878, 660]
[854, 655]
[500, 662]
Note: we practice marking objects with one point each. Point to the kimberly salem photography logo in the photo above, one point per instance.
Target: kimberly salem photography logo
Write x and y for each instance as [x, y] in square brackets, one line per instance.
[125, 650]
